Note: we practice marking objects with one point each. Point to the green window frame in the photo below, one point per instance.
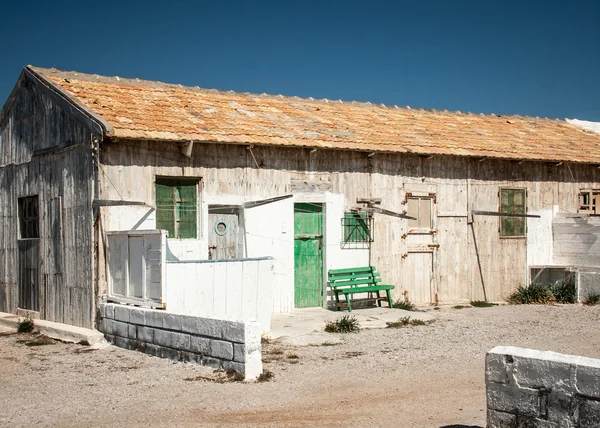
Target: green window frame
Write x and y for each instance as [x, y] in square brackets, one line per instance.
[513, 201]
[177, 206]
[357, 227]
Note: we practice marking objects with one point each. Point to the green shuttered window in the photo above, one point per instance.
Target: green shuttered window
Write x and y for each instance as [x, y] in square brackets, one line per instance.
[176, 207]
[513, 201]
[356, 227]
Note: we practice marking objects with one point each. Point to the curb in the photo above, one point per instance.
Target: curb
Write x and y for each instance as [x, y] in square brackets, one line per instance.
[63, 332]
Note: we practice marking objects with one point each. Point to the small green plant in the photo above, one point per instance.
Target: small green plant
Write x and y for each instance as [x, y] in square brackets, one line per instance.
[460, 306]
[292, 355]
[404, 304]
[344, 324]
[592, 299]
[534, 294]
[482, 304]
[265, 376]
[563, 292]
[404, 322]
[25, 325]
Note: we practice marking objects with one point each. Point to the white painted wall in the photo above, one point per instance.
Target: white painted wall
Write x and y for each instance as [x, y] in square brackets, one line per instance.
[238, 289]
[539, 237]
[269, 231]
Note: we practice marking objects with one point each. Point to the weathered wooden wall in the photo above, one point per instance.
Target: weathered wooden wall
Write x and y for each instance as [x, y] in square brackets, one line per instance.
[458, 272]
[46, 151]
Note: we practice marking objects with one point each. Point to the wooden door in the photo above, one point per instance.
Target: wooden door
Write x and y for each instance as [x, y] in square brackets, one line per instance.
[224, 234]
[308, 255]
[420, 266]
[29, 283]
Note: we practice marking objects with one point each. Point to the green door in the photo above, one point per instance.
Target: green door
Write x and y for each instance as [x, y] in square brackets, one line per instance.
[308, 255]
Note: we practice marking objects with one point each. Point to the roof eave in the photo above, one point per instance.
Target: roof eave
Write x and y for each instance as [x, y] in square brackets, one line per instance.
[72, 104]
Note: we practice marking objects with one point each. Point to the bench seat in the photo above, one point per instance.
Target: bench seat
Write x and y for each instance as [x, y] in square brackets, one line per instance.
[357, 280]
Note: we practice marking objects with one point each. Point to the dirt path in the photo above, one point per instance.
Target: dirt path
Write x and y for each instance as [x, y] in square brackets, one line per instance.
[428, 376]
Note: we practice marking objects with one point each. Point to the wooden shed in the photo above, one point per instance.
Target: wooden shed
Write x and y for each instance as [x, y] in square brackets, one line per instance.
[315, 184]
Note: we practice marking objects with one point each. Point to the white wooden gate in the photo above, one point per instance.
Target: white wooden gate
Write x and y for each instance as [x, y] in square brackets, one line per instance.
[136, 267]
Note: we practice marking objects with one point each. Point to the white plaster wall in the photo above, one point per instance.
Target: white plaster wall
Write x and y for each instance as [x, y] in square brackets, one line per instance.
[270, 232]
[539, 237]
[234, 289]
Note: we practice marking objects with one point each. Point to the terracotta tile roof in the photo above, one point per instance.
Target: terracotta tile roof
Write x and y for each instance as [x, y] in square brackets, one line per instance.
[147, 110]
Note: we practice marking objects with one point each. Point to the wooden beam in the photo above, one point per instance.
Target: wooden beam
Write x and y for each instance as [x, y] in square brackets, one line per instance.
[114, 203]
[498, 214]
[380, 211]
[253, 204]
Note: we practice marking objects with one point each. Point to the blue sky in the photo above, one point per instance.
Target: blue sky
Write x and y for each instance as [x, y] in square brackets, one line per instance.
[531, 57]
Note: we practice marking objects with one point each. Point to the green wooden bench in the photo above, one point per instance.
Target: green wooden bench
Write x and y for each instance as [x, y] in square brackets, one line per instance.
[357, 280]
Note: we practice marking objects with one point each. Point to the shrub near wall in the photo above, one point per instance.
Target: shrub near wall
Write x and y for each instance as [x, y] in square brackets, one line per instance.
[226, 344]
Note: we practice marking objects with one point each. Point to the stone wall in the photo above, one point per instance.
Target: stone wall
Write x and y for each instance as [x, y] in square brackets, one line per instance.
[529, 388]
[226, 344]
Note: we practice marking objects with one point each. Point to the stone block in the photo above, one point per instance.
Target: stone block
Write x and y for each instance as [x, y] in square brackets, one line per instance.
[239, 352]
[162, 337]
[114, 328]
[102, 310]
[145, 334]
[110, 338]
[587, 377]
[170, 354]
[544, 373]
[122, 313]
[235, 366]
[131, 331]
[496, 419]
[221, 349]
[495, 368]
[171, 321]
[180, 341]
[212, 362]
[153, 349]
[200, 345]
[512, 399]
[110, 310]
[234, 331]
[191, 357]
[559, 406]
[588, 413]
[154, 318]
[138, 316]
[125, 343]
[202, 326]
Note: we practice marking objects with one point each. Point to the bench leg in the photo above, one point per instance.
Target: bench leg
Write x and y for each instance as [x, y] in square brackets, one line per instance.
[349, 303]
[337, 301]
[389, 297]
[378, 301]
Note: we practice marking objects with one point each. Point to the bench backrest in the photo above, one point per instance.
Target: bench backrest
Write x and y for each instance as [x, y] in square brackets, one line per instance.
[352, 277]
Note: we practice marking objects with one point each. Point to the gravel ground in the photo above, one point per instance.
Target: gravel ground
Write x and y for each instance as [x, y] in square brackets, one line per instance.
[419, 376]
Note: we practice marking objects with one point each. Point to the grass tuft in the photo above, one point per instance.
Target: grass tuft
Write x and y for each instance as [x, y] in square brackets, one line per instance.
[265, 376]
[404, 322]
[557, 292]
[482, 304]
[26, 325]
[404, 304]
[592, 299]
[461, 307]
[344, 324]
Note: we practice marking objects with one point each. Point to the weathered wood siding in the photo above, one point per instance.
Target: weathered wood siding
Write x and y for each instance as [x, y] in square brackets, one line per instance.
[45, 151]
[458, 273]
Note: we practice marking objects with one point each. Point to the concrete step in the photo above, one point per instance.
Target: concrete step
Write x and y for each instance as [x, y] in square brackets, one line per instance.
[64, 332]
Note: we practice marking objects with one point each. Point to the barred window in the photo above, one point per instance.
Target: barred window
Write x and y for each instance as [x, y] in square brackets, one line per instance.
[176, 207]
